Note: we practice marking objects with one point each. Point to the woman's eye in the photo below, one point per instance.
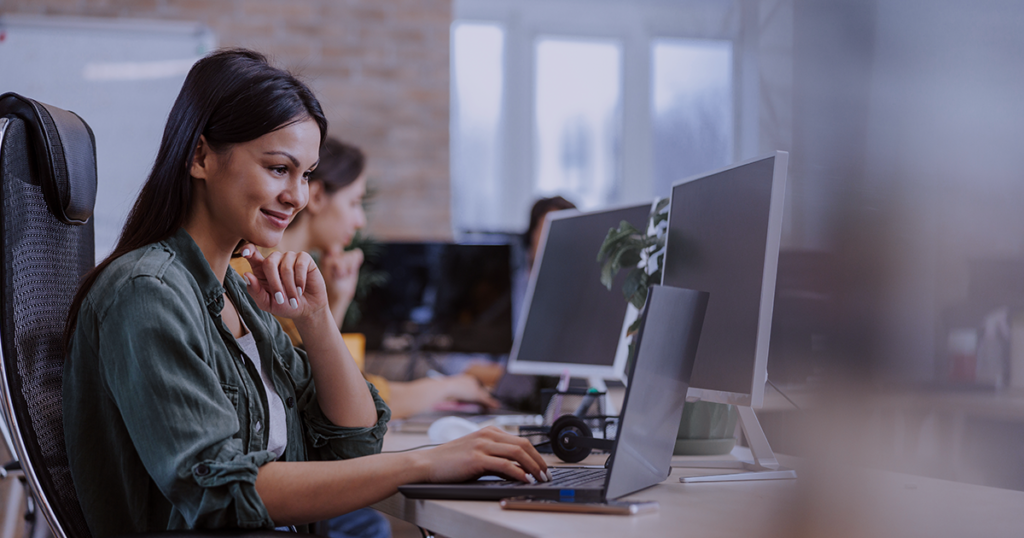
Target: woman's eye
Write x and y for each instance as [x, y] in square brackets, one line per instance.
[279, 170]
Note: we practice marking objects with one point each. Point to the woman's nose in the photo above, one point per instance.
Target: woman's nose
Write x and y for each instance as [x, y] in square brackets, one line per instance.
[296, 194]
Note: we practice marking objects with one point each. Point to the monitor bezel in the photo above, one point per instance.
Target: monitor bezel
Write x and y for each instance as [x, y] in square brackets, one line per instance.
[754, 398]
[617, 370]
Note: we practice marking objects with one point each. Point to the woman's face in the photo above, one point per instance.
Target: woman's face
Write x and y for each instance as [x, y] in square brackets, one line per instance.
[254, 189]
[338, 216]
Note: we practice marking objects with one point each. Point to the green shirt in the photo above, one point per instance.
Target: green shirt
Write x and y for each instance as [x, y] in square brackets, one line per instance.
[164, 418]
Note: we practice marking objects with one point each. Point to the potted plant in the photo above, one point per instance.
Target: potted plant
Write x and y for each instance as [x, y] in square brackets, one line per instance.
[706, 428]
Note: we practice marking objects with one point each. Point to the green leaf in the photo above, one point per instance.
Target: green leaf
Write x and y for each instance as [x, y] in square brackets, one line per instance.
[607, 275]
[661, 205]
[636, 282]
[628, 257]
[616, 239]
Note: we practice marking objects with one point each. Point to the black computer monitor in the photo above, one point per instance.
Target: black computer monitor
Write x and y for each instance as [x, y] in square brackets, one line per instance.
[439, 297]
[573, 323]
[723, 237]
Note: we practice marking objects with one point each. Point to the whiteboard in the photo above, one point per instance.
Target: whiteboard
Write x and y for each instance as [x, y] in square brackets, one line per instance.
[120, 75]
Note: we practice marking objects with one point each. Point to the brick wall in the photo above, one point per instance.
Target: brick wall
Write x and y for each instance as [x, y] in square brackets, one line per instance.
[379, 67]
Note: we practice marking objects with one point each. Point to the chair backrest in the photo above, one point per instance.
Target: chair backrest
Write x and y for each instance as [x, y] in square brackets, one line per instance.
[48, 182]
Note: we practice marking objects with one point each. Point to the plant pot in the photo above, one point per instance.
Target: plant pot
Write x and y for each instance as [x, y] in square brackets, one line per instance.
[706, 429]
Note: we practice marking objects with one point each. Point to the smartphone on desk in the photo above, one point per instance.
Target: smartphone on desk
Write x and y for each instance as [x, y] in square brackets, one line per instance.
[624, 508]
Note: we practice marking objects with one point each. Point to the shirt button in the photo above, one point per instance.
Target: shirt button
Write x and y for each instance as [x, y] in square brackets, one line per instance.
[202, 470]
[290, 402]
[259, 426]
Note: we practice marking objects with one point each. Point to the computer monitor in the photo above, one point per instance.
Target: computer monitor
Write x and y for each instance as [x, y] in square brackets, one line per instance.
[442, 297]
[724, 230]
[572, 323]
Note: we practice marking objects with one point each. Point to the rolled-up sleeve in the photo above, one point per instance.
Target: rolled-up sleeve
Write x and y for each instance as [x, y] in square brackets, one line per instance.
[324, 439]
[175, 409]
[327, 441]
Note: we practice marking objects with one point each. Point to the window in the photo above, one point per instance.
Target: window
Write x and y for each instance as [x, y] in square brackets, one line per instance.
[601, 102]
[691, 108]
[577, 117]
[477, 81]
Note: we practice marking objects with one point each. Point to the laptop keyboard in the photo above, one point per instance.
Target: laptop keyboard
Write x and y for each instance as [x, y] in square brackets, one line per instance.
[565, 477]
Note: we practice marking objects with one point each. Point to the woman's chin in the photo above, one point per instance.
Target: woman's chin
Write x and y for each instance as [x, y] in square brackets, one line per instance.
[267, 240]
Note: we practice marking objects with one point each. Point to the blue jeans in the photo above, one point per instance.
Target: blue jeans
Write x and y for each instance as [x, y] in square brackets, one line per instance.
[363, 523]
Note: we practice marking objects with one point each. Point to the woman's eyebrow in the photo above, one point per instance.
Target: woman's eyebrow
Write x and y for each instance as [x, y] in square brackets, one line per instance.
[295, 162]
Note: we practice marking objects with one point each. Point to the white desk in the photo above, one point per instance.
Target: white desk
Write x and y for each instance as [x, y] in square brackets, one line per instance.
[825, 501]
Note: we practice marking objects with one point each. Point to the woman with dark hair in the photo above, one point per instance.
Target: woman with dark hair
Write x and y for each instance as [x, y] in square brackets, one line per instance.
[326, 226]
[538, 213]
[185, 403]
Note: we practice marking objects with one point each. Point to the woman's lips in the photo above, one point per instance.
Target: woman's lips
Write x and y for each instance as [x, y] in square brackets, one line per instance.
[279, 220]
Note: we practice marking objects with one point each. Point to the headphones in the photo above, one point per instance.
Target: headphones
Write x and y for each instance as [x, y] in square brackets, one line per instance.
[572, 441]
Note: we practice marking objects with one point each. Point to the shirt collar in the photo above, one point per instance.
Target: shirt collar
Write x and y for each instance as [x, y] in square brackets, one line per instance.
[195, 263]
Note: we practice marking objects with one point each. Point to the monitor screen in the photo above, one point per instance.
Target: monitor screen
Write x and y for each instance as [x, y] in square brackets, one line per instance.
[439, 297]
[723, 238]
[572, 322]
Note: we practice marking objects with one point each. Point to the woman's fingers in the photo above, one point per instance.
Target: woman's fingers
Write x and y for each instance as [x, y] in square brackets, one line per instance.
[272, 277]
[280, 280]
[512, 452]
[510, 455]
[286, 272]
[466, 388]
[531, 459]
[303, 266]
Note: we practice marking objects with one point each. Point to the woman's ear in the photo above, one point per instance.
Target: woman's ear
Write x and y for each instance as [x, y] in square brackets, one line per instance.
[317, 197]
[200, 160]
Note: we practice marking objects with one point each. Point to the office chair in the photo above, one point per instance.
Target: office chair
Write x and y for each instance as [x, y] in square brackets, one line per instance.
[48, 182]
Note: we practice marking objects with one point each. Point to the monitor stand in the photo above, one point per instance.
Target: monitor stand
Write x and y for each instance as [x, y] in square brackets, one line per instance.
[605, 405]
[764, 466]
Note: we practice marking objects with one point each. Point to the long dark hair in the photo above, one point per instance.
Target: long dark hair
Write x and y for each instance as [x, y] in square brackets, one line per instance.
[543, 207]
[229, 97]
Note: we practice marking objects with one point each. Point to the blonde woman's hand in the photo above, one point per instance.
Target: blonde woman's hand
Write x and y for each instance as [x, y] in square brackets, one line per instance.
[466, 388]
[285, 284]
[483, 452]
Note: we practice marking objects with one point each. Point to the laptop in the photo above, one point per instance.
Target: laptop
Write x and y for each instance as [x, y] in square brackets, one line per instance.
[641, 456]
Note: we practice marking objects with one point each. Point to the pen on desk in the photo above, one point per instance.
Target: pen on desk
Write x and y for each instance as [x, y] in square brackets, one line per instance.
[588, 400]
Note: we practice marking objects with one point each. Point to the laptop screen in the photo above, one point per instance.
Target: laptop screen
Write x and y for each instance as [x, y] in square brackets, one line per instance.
[665, 349]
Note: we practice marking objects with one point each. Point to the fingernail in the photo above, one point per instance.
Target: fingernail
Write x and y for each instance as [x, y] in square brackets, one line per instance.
[293, 302]
[300, 292]
[548, 472]
[531, 479]
[246, 252]
[279, 297]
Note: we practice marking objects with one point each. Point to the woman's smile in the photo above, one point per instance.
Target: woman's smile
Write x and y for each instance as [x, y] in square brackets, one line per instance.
[277, 219]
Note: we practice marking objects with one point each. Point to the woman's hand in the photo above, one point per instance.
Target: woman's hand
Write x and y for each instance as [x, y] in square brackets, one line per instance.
[466, 388]
[341, 272]
[487, 451]
[286, 284]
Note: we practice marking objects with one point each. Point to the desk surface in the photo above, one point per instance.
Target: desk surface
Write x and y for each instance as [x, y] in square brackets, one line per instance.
[825, 501]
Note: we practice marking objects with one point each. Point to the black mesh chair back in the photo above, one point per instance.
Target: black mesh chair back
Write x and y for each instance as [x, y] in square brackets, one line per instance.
[48, 173]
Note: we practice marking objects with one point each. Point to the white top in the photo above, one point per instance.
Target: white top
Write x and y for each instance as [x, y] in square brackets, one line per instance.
[278, 434]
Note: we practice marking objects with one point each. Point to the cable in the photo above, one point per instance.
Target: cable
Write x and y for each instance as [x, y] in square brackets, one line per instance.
[783, 394]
